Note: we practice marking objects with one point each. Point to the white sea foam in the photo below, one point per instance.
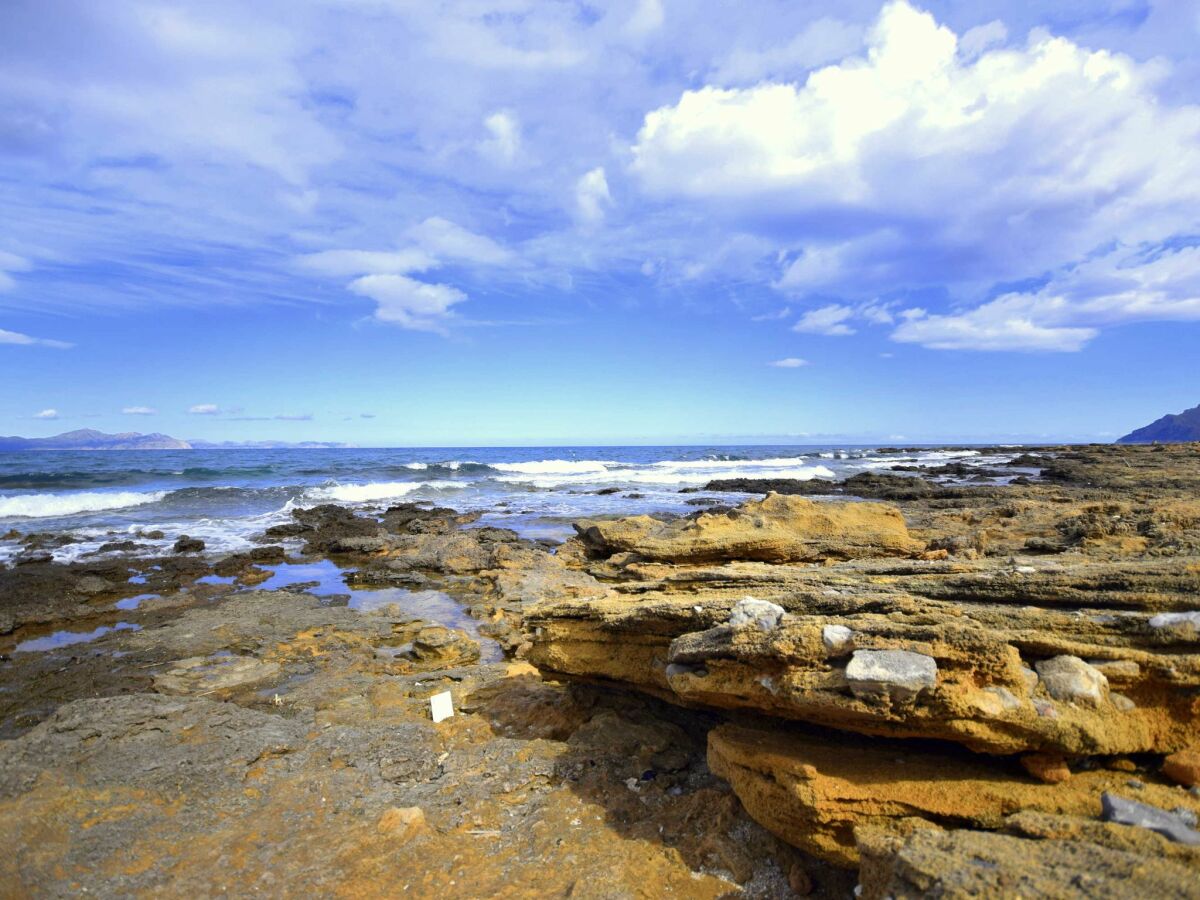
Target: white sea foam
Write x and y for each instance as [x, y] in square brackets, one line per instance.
[376, 490]
[556, 467]
[673, 474]
[44, 506]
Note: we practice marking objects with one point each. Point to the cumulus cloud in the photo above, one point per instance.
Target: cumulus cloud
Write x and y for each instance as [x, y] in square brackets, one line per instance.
[139, 411]
[409, 303]
[937, 160]
[828, 320]
[592, 197]
[46, 414]
[15, 337]
[204, 409]
[791, 362]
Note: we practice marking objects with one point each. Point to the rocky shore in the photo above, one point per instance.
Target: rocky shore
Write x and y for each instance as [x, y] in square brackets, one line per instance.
[908, 682]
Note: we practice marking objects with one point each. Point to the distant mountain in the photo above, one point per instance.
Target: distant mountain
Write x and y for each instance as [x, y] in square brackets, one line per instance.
[90, 439]
[1174, 429]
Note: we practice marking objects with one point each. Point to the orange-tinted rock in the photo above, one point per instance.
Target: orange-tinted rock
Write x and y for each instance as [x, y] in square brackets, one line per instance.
[1183, 767]
[1046, 767]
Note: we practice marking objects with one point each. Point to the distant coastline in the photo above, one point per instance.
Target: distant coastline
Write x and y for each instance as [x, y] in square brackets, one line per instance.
[90, 439]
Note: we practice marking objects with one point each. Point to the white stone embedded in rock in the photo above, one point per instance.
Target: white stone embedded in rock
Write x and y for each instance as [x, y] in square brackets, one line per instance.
[1070, 679]
[900, 674]
[837, 638]
[762, 614]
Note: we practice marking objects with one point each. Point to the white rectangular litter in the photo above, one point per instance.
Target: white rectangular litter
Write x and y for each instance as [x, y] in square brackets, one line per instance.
[441, 705]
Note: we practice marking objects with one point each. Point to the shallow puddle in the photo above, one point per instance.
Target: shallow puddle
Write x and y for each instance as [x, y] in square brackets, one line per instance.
[134, 602]
[432, 606]
[67, 638]
[215, 579]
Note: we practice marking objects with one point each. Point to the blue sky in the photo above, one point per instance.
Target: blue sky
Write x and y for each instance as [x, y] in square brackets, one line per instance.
[508, 221]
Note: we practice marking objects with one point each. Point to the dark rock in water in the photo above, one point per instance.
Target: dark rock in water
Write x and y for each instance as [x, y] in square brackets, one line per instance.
[187, 544]
[289, 530]
[1143, 815]
[1171, 429]
[36, 556]
[767, 485]
[47, 540]
[412, 518]
[635, 496]
[118, 546]
[603, 492]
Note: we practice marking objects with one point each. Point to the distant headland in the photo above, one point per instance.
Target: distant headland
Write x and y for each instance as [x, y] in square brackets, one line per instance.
[1178, 428]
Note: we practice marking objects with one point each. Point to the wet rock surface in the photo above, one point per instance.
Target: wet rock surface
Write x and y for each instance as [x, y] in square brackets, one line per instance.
[968, 690]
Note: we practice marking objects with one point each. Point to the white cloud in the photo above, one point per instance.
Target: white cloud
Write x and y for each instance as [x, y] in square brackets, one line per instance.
[374, 262]
[10, 262]
[408, 303]
[592, 197]
[1120, 286]
[204, 409]
[505, 142]
[46, 414]
[294, 417]
[139, 411]
[443, 239]
[930, 161]
[828, 320]
[15, 337]
[791, 362]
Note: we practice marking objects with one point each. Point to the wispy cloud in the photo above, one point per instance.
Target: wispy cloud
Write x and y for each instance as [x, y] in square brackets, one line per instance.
[828, 320]
[139, 411]
[791, 362]
[204, 409]
[14, 337]
[47, 414]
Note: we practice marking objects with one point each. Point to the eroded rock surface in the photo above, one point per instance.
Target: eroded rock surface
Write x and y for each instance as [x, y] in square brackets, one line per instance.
[1047, 628]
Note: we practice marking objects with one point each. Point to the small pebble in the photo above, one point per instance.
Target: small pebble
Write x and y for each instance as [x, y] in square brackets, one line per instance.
[1136, 784]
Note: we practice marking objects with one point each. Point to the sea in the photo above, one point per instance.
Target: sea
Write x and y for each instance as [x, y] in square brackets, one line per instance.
[226, 497]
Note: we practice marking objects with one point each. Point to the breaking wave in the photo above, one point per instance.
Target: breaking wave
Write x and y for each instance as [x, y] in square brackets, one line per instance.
[48, 506]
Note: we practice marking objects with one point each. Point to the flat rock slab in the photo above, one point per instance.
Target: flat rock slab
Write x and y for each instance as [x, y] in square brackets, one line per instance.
[215, 674]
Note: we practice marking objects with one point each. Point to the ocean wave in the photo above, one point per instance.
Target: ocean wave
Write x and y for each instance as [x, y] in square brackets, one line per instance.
[46, 506]
[661, 474]
[378, 490]
[556, 467]
[732, 463]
